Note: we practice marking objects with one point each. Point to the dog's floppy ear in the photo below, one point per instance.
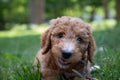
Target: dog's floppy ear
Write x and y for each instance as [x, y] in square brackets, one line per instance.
[91, 47]
[46, 41]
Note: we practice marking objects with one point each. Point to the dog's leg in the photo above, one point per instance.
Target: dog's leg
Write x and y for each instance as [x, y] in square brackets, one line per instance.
[77, 78]
[48, 74]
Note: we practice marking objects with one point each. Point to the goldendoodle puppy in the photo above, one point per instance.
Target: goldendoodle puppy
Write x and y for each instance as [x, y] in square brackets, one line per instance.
[67, 46]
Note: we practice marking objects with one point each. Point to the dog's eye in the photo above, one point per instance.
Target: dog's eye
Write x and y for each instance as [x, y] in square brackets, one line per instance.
[79, 39]
[60, 35]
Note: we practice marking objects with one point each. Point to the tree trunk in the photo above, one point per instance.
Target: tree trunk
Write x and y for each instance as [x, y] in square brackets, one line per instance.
[2, 21]
[118, 10]
[37, 11]
[105, 6]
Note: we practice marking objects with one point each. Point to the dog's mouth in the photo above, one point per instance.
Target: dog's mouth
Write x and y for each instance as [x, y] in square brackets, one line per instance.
[63, 62]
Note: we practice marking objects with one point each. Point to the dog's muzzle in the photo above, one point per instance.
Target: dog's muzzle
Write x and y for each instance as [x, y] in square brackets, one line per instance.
[67, 50]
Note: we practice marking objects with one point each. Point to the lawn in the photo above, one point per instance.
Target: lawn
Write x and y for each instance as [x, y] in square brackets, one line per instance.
[18, 48]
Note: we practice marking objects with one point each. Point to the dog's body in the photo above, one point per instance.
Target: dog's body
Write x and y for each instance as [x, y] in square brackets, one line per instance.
[67, 45]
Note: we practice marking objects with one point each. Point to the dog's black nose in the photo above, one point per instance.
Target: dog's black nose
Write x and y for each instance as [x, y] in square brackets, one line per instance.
[66, 54]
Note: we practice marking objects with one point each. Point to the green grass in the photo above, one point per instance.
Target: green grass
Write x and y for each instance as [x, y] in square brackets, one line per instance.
[19, 47]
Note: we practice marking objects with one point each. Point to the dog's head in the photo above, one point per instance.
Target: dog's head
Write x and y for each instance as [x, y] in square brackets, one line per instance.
[68, 40]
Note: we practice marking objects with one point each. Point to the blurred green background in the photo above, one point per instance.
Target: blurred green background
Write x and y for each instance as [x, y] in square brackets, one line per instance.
[22, 22]
[39, 11]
